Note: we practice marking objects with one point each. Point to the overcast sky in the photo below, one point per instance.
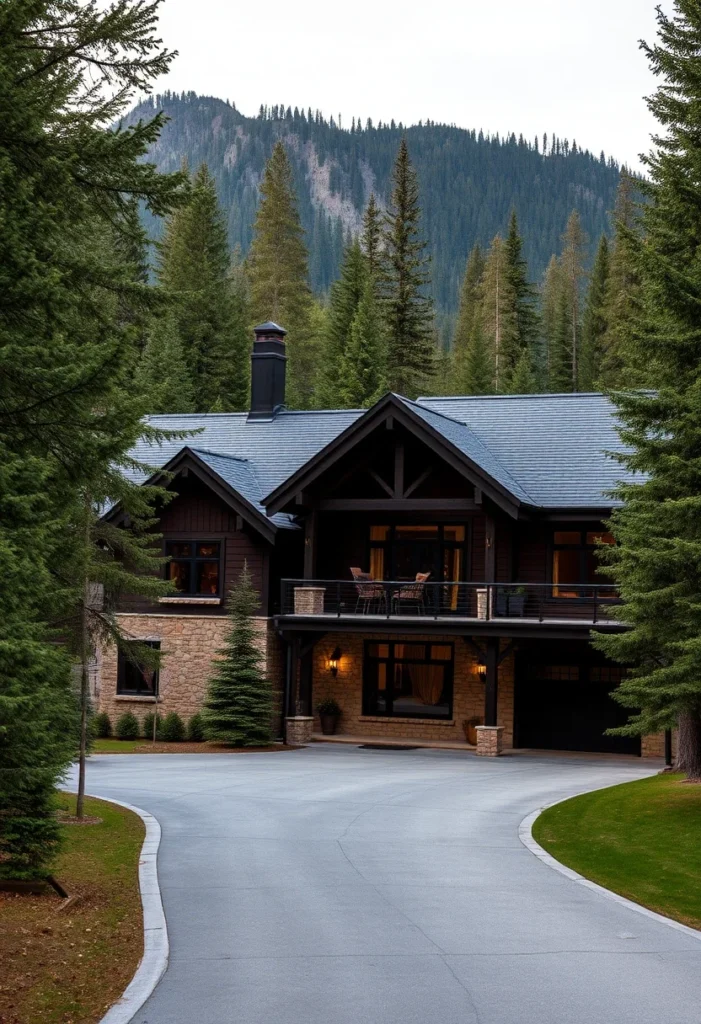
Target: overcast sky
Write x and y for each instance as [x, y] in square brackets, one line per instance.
[572, 67]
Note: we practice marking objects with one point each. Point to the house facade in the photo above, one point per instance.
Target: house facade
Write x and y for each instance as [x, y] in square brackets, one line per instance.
[430, 565]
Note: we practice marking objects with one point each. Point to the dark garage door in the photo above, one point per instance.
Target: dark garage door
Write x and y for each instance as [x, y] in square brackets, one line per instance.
[567, 706]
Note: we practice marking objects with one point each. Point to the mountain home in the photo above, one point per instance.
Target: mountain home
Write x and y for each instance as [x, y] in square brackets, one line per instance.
[431, 565]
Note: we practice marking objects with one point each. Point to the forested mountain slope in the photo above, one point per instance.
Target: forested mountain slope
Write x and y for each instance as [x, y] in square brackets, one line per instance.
[469, 183]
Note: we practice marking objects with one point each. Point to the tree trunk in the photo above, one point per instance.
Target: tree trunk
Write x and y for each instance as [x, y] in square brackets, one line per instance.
[689, 753]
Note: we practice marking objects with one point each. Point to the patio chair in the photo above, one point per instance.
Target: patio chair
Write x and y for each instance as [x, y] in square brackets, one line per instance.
[413, 595]
[371, 595]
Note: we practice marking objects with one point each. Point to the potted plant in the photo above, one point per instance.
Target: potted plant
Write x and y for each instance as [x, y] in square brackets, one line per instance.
[501, 604]
[329, 712]
[470, 731]
[517, 601]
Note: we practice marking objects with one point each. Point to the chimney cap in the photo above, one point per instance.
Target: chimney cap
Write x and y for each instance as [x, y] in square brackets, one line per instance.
[269, 327]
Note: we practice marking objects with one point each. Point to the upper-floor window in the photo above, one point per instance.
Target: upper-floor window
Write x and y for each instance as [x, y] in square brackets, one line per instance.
[405, 549]
[133, 677]
[575, 562]
[194, 567]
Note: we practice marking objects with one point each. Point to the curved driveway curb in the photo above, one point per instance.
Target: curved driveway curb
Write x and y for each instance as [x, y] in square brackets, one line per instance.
[155, 959]
[525, 834]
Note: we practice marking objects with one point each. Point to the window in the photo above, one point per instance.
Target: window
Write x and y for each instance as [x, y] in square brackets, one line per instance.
[133, 678]
[413, 680]
[575, 562]
[194, 567]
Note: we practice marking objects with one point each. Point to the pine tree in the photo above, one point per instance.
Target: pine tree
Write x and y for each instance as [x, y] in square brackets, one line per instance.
[560, 353]
[657, 558]
[622, 364]
[594, 320]
[550, 301]
[522, 380]
[479, 364]
[278, 274]
[572, 260]
[372, 237]
[238, 707]
[498, 314]
[194, 268]
[346, 294]
[467, 316]
[407, 306]
[163, 373]
[234, 377]
[523, 290]
[363, 369]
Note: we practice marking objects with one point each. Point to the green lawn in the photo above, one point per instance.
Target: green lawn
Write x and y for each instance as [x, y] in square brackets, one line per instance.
[641, 839]
[116, 746]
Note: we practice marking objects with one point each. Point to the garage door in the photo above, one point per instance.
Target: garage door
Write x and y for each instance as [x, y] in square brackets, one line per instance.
[567, 706]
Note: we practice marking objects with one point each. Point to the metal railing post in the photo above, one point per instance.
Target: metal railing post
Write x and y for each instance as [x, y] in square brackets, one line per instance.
[338, 598]
[596, 603]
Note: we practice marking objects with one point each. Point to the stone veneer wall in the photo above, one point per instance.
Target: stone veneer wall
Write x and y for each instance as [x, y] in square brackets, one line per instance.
[189, 644]
[653, 745]
[468, 690]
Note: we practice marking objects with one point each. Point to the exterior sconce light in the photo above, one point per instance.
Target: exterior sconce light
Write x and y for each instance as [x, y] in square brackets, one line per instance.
[334, 659]
[481, 670]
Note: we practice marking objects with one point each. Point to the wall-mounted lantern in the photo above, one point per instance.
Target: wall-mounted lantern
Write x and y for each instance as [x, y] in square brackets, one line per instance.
[334, 659]
[481, 670]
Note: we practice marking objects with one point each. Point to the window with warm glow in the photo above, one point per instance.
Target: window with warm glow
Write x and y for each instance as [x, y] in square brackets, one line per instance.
[134, 677]
[408, 680]
[194, 567]
[575, 565]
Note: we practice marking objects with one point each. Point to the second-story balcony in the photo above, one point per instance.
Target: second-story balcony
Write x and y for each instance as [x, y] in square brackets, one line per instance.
[420, 602]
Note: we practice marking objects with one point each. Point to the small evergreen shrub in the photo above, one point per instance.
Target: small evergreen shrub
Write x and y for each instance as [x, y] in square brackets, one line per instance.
[173, 730]
[127, 727]
[328, 706]
[195, 729]
[147, 726]
[102, 726]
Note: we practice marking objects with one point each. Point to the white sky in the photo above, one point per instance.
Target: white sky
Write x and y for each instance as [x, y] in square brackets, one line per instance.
[572, 67]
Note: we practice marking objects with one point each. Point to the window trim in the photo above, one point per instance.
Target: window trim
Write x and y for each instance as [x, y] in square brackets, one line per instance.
[391, 661]
[123, 661]
[192, 560]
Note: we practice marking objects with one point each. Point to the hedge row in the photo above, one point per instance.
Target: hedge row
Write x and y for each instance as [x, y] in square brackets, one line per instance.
[170, 729]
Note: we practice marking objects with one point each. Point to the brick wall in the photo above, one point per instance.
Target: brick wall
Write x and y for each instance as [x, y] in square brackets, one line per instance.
[468, 691]
[189, 644]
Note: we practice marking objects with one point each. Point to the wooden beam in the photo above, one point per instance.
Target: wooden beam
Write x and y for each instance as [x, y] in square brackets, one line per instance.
[478, 496]
[489, 550]
[436, 505]
[383, 483]
[417, 483]
[310, 545]
[399, 470]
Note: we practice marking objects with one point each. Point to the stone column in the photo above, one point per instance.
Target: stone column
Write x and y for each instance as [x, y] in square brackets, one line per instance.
[309, 600]
[298, 730]
[489, 740]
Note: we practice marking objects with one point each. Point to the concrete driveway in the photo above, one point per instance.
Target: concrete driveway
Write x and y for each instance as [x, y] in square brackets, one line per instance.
[336, 885]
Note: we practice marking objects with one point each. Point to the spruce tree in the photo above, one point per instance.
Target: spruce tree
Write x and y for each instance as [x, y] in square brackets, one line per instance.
[163, 373]
[657, 558]
[278, 274]
[622, 364]
[498, 315]
[573, 273]
[479, 364]
[594, 320]
[467, 316]
[523, 379]
[238, 707]
[194, 269]
[234, 377]
[346, 294]
[372, 237]
[407, 306]
[523, 291]
[363, 369]
[550, 304]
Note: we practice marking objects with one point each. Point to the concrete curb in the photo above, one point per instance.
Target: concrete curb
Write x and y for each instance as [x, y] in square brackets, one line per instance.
[525, 834]
[156, 948]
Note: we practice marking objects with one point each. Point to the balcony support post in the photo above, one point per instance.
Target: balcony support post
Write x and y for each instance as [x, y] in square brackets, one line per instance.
[310, 545]
[491, 685]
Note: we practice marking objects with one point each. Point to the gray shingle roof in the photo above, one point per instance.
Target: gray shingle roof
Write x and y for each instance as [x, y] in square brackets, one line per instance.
[240, 474]
[554, 445]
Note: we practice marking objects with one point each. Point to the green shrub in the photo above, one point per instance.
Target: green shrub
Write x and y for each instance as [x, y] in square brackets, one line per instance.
[101, 726]
[147, 726]
[127, 727]
[173, 728]
[195, 729]
[328, 706]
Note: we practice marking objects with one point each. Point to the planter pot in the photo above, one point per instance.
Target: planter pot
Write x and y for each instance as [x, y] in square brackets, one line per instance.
[517, 605]
[469, 727]
[328, 724]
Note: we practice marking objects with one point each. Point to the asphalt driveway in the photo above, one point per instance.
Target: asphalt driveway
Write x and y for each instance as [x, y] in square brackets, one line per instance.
[336, 885]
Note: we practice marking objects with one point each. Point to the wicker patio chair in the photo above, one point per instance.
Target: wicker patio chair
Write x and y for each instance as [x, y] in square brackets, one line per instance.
[371, 595]
[413, 595]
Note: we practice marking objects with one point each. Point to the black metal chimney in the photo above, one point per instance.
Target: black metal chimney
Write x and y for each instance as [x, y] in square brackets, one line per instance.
[267, 371]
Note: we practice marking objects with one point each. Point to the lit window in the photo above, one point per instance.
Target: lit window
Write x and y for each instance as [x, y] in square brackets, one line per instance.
[194, 567]
[133, 676]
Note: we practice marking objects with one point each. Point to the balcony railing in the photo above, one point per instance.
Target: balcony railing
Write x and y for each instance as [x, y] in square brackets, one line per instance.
[388, 599]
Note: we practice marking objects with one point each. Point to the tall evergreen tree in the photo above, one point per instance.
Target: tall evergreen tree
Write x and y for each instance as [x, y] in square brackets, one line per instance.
[467, 316]
[594, 320]
[163, 373]
[278, 274]
[550, 304]
[372, 237]
[523, 290]
[364, 365]
[572, 260]
[238, 707]
[498, 315]
[622, 363]
[346, 294]
[408, 310]
[479, 364]
[657, 560]
[523, 379]
[234, 375]
[194, 268]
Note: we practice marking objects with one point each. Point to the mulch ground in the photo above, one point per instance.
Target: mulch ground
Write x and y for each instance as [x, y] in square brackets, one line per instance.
[67, 961]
